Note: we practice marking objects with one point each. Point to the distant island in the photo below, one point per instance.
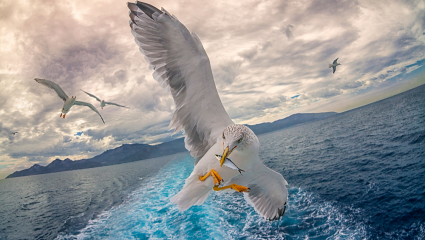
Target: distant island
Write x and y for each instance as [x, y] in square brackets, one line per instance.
[136, 152]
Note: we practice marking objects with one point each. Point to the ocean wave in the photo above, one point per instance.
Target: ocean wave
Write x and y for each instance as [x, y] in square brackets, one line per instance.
[148, 213]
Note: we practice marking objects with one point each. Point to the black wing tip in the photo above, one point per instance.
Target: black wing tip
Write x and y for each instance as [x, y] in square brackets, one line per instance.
[280, 212]
[148, 9]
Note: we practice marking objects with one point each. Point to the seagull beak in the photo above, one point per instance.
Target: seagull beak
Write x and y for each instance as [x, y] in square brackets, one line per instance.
[226, 153]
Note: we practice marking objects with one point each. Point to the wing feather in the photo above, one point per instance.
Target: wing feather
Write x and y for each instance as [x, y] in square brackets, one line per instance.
[111, 103]
[181, 64]
[335, 61]
[268, 194]
[53, 86]
[93, 96]
[90, 106]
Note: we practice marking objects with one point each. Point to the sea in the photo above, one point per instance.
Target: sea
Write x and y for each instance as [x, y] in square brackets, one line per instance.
[359, 174]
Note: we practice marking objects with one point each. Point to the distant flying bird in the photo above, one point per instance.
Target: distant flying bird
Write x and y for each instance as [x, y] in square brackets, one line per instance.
[14, 133]
[334, 64]
[180, 62]
[102, 102]
[68, 102]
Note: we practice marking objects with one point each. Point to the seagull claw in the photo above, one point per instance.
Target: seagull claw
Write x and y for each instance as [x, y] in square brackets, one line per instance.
[216, 177]
[233, 186]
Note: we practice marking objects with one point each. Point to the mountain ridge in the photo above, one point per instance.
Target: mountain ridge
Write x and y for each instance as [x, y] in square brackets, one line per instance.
[137, 151]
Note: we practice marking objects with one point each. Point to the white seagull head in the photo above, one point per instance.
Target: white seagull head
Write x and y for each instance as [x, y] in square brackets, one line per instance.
[237, 137]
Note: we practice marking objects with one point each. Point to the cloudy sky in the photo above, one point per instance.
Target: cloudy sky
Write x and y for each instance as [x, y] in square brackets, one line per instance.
[263, 54]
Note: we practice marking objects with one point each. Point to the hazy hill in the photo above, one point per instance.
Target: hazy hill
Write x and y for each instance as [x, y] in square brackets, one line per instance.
[135, 152]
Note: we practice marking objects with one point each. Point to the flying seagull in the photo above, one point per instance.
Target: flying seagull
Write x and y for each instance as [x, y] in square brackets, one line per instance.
[333, 65]
[68, 102]
[14, 133]
[102, 102]
[179, 61]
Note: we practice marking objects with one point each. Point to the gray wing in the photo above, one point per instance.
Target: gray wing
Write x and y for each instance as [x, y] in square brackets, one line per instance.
[335, 61]
[91, 95]
[334, 69]
[268, 194]
[111, 103]
[53, 86]
[180, 63]
[90, 106]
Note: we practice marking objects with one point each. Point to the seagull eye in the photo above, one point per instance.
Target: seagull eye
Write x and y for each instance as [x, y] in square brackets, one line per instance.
[240, 140]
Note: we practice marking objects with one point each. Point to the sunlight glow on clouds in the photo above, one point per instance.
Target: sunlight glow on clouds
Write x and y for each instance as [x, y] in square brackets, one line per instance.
[263, 54]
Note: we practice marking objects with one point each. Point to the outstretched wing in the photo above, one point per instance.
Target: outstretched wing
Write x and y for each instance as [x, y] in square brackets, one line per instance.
[335, 61]
[111, 103]
[334, 69]
[268, 194]
[91, 95]
[180, 63]
[53, 86]
[90, 106]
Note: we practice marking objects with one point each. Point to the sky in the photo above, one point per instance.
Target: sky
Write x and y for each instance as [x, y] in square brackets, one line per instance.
[270, 59]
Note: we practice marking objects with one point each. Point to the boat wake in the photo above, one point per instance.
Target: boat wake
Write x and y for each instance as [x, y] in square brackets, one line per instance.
[148, 213]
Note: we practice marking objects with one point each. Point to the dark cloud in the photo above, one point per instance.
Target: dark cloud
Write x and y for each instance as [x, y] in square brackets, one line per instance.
[226, 73]
[266, 45]
[288, 83]
[249, 54]
[342, 9]
[257, 108]
[119, 76]
[241, 92]
[351, 85]
[325, 93]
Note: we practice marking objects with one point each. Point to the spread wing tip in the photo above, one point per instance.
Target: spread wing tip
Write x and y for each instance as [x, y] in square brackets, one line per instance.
[280, 213]
[148, 9]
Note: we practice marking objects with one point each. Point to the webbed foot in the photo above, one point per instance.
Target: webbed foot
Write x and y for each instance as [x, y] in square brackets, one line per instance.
[214, 174]
[235, 187]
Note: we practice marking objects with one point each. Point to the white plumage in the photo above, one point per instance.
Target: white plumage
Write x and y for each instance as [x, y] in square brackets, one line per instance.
[179, 62]
[68, 101]
[103, 103]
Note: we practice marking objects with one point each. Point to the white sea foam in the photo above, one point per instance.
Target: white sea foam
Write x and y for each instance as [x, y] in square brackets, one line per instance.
[148, 213]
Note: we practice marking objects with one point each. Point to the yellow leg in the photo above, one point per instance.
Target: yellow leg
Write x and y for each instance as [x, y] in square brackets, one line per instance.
[214, 174]
[235, 187]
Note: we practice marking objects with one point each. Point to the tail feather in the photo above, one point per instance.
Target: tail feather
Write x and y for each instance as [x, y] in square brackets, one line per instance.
[194, 192]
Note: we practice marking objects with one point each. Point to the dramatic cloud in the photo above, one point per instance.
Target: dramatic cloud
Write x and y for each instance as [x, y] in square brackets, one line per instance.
[269, 59]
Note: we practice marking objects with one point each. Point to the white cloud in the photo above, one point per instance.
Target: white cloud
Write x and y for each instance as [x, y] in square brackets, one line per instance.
[261, 53]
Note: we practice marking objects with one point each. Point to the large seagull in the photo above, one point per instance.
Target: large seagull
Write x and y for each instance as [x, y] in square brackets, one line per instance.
[179, 61]
[68, 101]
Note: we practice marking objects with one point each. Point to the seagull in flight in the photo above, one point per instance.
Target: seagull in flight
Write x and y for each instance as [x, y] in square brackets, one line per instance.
[333, 65]
[102, 102]
[179, 62]
[68, 102]
[14, 133]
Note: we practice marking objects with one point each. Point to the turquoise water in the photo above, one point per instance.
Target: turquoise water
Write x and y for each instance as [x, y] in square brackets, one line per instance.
[148, 213]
